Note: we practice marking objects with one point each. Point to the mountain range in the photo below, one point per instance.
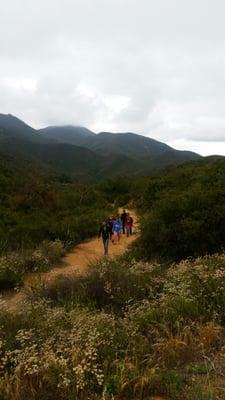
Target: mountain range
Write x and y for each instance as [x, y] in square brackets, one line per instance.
[77, 152]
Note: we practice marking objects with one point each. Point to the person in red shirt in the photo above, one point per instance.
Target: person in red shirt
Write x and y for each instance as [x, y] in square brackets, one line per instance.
[129, 225]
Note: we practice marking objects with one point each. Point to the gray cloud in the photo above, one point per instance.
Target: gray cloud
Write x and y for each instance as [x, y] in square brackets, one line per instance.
[156, 68]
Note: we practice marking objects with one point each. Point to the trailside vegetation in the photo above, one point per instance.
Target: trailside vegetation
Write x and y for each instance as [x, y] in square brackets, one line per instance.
[184, 211]
[150, 323]
[38, 207]
[126, 330]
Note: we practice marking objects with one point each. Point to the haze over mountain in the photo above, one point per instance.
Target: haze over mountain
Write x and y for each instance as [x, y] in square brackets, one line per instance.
[76, 135]
[82, 154]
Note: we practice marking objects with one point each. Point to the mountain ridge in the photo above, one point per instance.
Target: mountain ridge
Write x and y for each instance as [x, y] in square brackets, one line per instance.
[79, 152]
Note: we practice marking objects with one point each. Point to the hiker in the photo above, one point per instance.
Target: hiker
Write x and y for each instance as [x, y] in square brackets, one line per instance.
[123, 219]
[110, 221]
[129, 225]
[105, 232]
[117, 229]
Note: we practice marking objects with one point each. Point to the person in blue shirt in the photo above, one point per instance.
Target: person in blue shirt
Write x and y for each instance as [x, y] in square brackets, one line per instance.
[117, 229]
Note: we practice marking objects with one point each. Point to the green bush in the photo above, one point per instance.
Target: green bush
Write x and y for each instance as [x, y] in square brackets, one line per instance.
[14, 266]
[200, 393]
[109, 285]
[53, 251]
[11, 273]
[183, 225]
[172, 382]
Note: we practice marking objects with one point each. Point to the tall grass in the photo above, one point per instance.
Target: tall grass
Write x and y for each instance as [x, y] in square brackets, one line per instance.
[126, 330]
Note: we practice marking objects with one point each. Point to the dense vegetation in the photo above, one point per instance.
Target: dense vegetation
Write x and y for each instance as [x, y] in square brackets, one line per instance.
[185, 211]
[38, 206]
[127, 330]
[182, 209]
[149, 323]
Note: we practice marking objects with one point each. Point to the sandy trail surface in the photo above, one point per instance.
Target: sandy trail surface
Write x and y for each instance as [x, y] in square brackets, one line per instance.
[77, 260]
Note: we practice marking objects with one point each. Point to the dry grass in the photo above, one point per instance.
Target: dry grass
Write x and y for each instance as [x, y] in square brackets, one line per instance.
[127, 330]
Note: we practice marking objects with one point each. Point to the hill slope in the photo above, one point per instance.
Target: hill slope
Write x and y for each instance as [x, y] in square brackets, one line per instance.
[80, 153]
[76, 135]
[128, 143]
[12, 127]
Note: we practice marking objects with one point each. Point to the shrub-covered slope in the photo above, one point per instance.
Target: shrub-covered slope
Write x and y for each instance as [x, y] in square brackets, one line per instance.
[36, 205]
[184, 211]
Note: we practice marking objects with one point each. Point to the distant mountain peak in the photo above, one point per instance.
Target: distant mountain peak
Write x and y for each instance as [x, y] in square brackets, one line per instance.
[79, 152]
[68, 126]
[10, 118]
[12, 123]
[70, 134]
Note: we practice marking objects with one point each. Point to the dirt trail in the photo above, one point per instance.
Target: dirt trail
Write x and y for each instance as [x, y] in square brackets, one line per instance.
[76, 261]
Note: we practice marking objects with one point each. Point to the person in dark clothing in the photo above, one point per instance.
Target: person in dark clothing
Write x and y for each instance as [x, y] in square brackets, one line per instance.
[110, 221]
[123, 219]
[129, 225]
[105, 232]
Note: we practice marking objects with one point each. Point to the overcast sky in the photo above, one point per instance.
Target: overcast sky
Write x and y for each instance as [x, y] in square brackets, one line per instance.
[154, 67]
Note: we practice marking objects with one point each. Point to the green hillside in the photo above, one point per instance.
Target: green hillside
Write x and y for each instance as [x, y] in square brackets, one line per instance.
[154, 153]
[12, 127]
[36, 204]
[147, 325]
[76, 135]
[85, 156]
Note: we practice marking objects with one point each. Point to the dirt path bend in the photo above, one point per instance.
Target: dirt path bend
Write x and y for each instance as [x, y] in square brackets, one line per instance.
[76, 261]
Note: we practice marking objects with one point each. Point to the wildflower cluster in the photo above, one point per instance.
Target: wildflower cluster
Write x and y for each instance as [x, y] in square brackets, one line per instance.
[150, 331]
[72, 349]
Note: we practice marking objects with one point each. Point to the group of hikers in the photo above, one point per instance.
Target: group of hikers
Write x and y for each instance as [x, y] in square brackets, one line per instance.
[113, 227]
